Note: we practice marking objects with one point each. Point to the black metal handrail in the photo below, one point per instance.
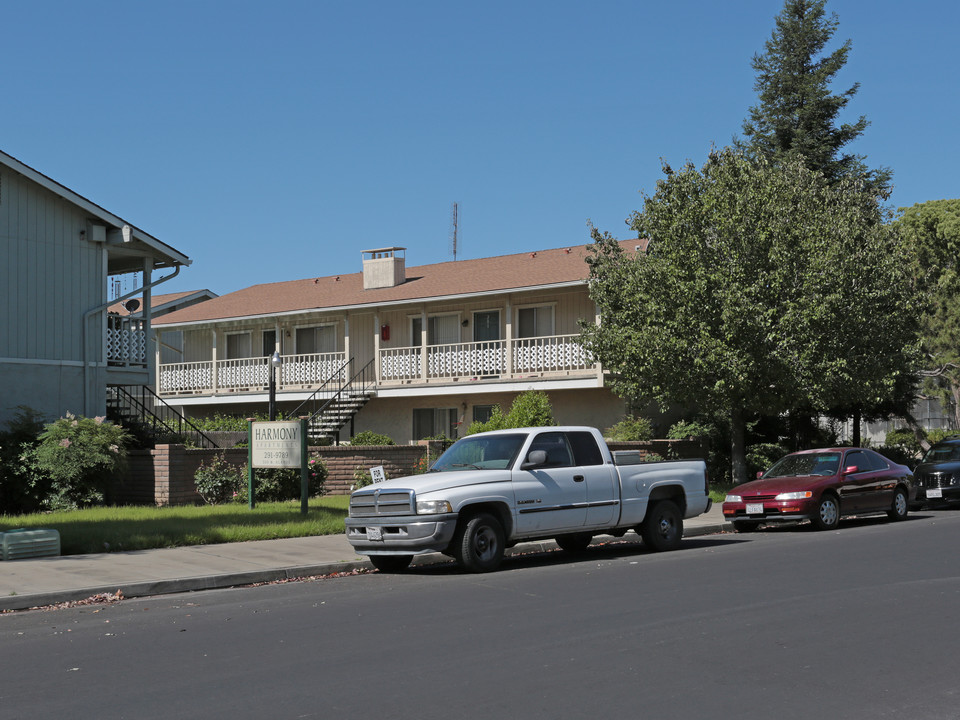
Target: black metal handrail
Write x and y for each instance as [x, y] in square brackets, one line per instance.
[157, 417]
[361, 382]
[320, 393]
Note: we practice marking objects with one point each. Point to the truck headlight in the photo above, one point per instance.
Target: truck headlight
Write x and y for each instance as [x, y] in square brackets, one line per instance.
[433, 507]
[733, 498]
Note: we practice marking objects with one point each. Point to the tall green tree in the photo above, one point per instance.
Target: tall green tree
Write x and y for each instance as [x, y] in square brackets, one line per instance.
[932, 230]
[762, 289]
[797, 113]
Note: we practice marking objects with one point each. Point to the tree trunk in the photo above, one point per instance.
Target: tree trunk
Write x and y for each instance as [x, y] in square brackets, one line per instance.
[955, 390]
[738, 448]
[856, 428]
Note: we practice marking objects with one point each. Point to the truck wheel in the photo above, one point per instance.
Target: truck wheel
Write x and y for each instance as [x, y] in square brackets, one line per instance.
[662, 528]
[575, 543]
[478, 544]
[391, 563]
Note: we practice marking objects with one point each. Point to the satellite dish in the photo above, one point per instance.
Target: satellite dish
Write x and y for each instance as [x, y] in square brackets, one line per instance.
[132, 305]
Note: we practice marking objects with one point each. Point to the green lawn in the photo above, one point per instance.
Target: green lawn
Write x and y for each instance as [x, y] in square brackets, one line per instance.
[108, 529]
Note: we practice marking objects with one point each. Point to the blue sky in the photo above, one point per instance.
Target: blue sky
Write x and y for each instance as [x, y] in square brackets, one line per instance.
[274, 141]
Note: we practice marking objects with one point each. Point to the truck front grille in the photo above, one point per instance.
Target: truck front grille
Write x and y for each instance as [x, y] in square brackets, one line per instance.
[371, 503]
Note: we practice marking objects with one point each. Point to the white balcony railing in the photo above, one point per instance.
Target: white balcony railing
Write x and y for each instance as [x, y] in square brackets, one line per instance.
[250, 374]
[126, 340]
[521, 358]
[556, 354]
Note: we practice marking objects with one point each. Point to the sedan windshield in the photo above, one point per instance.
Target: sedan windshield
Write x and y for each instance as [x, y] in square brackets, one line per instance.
[805, 464]
[942, 453]
[481, 452]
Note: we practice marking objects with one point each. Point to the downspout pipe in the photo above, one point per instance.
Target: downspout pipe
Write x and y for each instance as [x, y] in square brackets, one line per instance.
[100, 308]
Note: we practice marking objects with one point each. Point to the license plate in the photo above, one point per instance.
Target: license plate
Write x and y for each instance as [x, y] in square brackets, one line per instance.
[754, 508]
[934, 493]
[374, 533]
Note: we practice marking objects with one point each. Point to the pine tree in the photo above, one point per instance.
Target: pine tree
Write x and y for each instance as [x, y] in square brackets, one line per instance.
[797, 112]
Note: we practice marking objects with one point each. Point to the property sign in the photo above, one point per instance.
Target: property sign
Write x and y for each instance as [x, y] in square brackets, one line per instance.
[276, 444]
[377, 474]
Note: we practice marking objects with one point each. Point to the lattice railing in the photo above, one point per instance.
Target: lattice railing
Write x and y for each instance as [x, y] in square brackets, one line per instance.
[402, 363]
[249, 374]
[126, 340]
[476, 359]
[549, 354]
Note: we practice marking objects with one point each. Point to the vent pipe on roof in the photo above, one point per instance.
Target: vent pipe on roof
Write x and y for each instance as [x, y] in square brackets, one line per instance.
[384, 268]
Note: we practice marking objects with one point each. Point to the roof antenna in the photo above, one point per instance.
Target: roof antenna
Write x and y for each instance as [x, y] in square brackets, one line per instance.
[454, 229]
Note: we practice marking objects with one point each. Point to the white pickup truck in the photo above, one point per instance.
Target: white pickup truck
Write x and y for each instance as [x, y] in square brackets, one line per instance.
[492, 490]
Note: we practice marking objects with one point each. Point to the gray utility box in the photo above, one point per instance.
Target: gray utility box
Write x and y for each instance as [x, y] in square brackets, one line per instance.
[23, 543]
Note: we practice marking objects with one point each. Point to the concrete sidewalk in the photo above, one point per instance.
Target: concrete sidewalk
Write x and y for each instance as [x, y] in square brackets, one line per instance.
[47, 581]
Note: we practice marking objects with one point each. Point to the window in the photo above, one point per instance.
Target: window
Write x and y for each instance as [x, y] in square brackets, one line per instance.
[858, 458]
[482, 413]
[585, 450]
[535, 321]
[269, 342]
[430, 422]
[441, 329]
[555, 445]
[320, 339]
[238, 346]
[486, 326]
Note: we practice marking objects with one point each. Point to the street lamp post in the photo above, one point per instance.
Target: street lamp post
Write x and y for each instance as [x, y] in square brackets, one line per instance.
[275, 362]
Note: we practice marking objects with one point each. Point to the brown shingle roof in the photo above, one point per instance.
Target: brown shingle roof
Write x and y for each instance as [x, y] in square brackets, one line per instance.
[461, 277]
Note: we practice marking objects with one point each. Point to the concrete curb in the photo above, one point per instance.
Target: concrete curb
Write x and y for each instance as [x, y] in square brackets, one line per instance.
[237, 579]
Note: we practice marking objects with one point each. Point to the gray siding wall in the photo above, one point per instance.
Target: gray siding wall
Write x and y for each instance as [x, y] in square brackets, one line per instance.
[50, 274]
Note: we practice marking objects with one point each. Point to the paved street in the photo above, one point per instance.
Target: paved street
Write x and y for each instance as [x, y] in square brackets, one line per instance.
[783, 623]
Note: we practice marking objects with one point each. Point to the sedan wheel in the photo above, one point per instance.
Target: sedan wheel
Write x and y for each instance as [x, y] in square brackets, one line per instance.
[898, 510]
[827, 516]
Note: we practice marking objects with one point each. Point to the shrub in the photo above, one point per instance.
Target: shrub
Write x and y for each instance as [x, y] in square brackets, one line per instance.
[935, 436]
[897, 454]
[904, 439]
[529, 409]
[76, 460]
[219, 481]
[278, 484]
[761, 456]
[685, 429]
[17, 484]
[368, 437]
[630, 428]
[361, 478]
[653, 457]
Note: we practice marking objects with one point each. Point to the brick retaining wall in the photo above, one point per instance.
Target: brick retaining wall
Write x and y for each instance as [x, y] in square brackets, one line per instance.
[164, 475]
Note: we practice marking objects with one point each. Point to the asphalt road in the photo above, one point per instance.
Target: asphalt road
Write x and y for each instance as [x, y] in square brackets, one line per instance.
[789, 623]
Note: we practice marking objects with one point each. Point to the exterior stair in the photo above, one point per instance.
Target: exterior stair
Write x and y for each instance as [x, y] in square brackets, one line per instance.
[331, 407]
[141, 411]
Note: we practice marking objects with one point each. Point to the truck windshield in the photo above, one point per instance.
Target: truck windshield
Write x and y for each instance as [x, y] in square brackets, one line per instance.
[481, 452]
[942, 453]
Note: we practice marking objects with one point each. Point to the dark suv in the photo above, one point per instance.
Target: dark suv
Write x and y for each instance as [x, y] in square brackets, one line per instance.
[938, 477]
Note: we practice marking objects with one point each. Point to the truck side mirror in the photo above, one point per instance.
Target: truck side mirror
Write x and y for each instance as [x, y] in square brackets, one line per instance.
[535, 458]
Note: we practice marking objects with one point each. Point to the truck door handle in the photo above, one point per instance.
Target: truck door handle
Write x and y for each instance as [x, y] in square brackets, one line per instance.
[578, 478]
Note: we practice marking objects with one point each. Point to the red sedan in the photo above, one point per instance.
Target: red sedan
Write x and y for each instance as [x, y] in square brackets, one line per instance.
[822, 486]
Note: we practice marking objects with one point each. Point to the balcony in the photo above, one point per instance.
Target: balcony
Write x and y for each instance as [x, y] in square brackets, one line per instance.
[298, 372]
[126, 341]
[524, 358]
